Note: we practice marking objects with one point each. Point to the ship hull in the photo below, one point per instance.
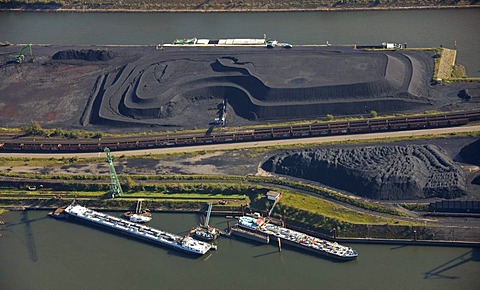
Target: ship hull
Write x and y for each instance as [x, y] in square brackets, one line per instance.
[331, 250]
[315, 251]
[250, 235]
[173, 245]
[205, 239]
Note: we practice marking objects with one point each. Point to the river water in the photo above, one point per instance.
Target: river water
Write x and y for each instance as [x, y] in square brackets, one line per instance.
[37, 252]
[417, 28]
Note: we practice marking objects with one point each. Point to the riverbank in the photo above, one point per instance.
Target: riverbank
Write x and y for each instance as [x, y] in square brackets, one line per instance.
[48, 8]
[172, 180]
[295, 218]
[417, 236]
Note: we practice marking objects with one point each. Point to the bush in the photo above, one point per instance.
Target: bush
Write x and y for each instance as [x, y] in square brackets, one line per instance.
[72, 135]
[129, 183]
[330, 117]
[34, 129]
[57, 132]
[373, 114]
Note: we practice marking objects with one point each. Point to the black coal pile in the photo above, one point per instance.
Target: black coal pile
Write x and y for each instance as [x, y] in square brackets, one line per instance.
[379, 172]
[464, 95]
[84, 54]
[159, 87]
[471, 153]
[476, 180]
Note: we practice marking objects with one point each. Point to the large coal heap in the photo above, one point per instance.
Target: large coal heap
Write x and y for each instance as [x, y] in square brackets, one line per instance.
[471, 153]
[134, 87]
[84, 54]
[476, 180]
[264, 84]
[379, 172]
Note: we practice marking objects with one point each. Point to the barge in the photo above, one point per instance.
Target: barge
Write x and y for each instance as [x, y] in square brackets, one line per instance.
[204, 231]
[220, 42]
[251, 235]
[149, 234]
[139, 215]
[269, 43]
[300, 240]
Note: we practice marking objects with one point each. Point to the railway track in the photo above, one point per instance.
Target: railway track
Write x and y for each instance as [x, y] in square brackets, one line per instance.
[9, 144]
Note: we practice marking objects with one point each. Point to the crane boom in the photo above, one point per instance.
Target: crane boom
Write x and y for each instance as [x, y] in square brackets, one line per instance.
[209, 211]
[273, 206]
[115, 187]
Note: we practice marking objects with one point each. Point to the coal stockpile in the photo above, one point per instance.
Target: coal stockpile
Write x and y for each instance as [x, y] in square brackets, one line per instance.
[133, 87]
[476, 180]
[261, 84]
[84, 54]
[471, 153]
[379, 172]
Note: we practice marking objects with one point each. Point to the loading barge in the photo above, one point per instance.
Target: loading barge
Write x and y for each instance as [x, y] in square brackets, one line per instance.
[204, 231]
[251, 235]
[330, 249]
[139, 215]
[185, 244]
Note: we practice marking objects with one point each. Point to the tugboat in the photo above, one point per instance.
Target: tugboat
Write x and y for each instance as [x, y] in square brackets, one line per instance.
[204, 231]
[59, 213]
[139, 215]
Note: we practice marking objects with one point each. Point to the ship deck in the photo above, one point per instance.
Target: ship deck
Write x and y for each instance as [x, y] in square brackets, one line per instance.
[295, 238]
[157, 236]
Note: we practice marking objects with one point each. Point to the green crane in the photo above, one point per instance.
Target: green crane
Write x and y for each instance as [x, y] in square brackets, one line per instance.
[115, 187]
[21, 57]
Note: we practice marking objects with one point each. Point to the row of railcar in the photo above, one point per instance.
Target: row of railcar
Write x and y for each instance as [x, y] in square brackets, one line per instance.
[313, 130]
[369, 126]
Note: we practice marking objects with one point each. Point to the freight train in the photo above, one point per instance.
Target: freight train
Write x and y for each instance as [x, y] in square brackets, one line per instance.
[270, 133]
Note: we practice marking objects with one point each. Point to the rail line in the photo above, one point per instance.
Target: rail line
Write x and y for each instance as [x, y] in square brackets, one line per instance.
[11, 145]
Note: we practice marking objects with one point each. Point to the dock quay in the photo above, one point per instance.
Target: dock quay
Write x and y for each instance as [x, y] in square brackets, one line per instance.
[142, 232]
[410, 242]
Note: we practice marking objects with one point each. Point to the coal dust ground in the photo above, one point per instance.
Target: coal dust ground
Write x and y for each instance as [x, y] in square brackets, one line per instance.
[140, 88]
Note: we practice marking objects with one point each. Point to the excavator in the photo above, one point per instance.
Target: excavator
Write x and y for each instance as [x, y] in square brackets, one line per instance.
[21, 57]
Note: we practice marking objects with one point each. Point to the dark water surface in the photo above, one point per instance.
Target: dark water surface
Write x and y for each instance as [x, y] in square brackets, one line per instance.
[37, 252]
[417, 28]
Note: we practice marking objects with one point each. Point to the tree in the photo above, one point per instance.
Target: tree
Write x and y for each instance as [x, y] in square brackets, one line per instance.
[373, 114]
[129, 183]
[34, 129]
[330, 117]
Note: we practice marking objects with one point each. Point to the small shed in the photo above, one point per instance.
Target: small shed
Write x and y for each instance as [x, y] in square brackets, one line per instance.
[273, 195]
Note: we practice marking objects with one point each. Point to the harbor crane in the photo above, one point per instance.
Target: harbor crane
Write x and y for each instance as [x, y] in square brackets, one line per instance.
[273, 206]
[115, 187]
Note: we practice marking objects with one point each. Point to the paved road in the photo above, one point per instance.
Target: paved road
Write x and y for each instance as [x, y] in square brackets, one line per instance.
[316, 140]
